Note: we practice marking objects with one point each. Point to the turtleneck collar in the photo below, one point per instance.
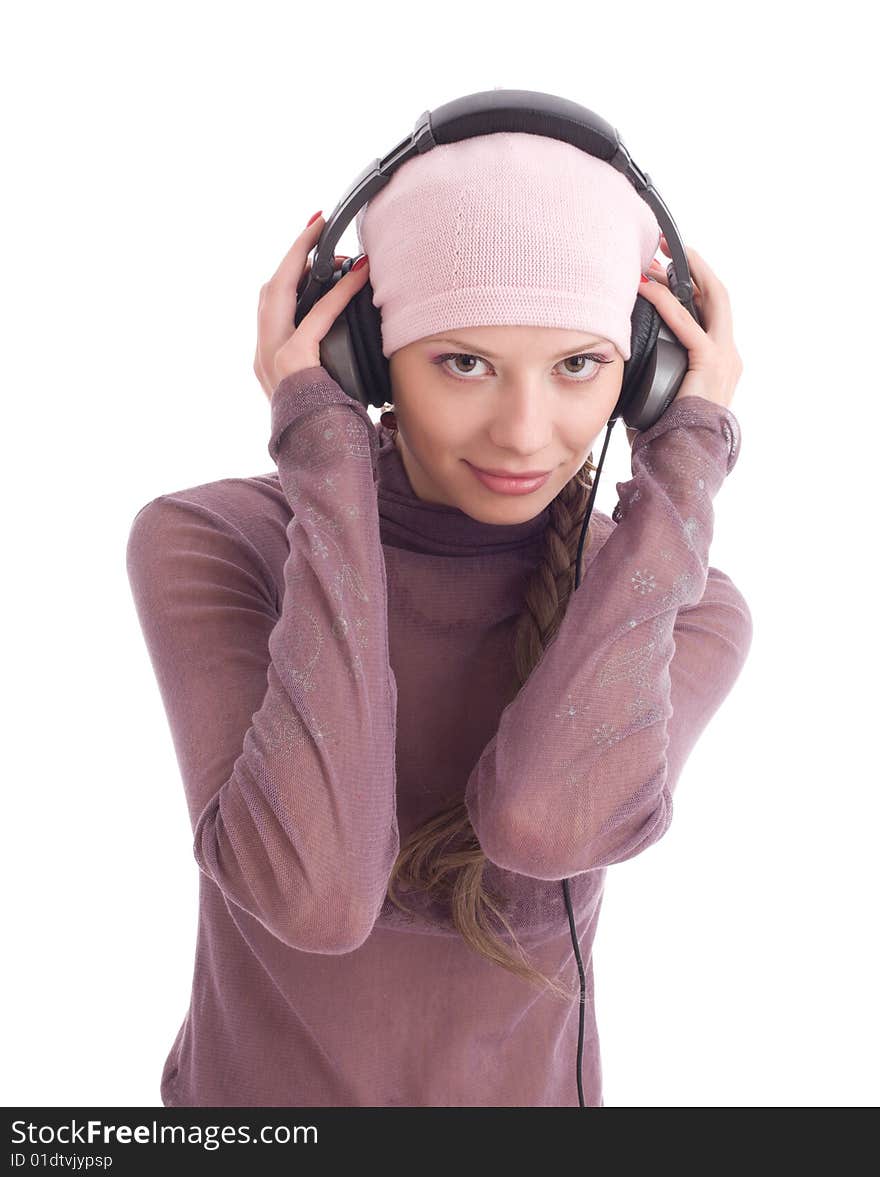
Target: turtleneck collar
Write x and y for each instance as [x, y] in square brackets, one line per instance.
[409, 522]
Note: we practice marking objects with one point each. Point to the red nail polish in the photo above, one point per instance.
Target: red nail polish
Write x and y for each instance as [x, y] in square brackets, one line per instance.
[643, 278]
[314, 217]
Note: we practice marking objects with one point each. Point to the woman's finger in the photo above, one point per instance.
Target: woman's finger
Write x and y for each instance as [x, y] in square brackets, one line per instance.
[676, 316]
[278, 296]
[695, 263]
[714, 364]
[259, 367]
[658, 270]
[699, 269]
[308, 335]
[714, 301]
[658, 267]
[291, 266]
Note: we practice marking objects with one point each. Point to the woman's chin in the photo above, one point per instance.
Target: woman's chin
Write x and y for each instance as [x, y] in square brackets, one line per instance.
[508, 508]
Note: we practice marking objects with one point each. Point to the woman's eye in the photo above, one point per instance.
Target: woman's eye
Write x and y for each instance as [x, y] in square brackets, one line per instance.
[569, 359]
[459, 356]
[595, 362]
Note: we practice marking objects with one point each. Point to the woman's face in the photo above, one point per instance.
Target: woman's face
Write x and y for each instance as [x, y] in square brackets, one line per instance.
[506, 398]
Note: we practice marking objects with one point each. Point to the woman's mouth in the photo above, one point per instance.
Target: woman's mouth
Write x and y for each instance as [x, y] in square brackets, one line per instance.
[505, 484]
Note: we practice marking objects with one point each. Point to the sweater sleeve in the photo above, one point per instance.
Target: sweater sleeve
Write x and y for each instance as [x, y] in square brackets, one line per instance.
[582, 768]
[283, 716]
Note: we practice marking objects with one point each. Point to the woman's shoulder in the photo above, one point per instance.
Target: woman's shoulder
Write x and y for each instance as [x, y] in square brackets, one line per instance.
[236, 499]
[252, 511]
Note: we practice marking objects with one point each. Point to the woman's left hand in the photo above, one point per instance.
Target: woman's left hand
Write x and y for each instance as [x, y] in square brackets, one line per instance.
[714, 364]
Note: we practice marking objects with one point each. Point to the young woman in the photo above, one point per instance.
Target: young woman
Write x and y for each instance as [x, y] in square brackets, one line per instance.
[398, 725]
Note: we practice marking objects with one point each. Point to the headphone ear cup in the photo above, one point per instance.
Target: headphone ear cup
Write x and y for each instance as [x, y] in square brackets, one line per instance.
[644, 331]
[351, 349]
[365, 329]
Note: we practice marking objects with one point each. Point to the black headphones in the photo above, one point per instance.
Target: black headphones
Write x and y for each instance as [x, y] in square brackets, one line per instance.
[351, 351]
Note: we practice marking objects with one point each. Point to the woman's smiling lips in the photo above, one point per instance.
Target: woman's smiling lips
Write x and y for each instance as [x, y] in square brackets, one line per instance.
[505, 483]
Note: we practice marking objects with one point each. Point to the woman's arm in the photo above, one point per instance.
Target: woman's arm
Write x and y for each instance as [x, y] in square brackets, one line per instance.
[582, 768]
[283, 720]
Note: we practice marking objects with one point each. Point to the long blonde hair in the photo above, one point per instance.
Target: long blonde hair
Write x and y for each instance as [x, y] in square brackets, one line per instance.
[426, 861]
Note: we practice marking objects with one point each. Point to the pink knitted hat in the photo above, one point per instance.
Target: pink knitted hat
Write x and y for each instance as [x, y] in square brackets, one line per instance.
[506, 228]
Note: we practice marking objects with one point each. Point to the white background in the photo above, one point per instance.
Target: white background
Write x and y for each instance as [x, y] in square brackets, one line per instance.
[159, 160]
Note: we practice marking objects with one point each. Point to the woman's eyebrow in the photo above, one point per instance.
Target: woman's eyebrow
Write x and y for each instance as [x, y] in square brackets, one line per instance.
[471, 350]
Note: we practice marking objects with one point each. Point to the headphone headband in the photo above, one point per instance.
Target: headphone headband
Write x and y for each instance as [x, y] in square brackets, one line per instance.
[484, 113]
[351, 349]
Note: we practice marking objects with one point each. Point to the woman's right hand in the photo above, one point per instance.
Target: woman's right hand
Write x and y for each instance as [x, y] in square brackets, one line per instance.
[281, 347]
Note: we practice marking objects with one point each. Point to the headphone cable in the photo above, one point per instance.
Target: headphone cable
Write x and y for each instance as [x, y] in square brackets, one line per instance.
[565, 889]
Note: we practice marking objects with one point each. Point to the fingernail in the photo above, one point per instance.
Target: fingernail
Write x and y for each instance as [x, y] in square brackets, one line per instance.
[643, 278]
[314, 217]
[362, 261]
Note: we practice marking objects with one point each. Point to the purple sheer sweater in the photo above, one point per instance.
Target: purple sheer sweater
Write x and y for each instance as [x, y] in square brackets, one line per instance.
[334, 657]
